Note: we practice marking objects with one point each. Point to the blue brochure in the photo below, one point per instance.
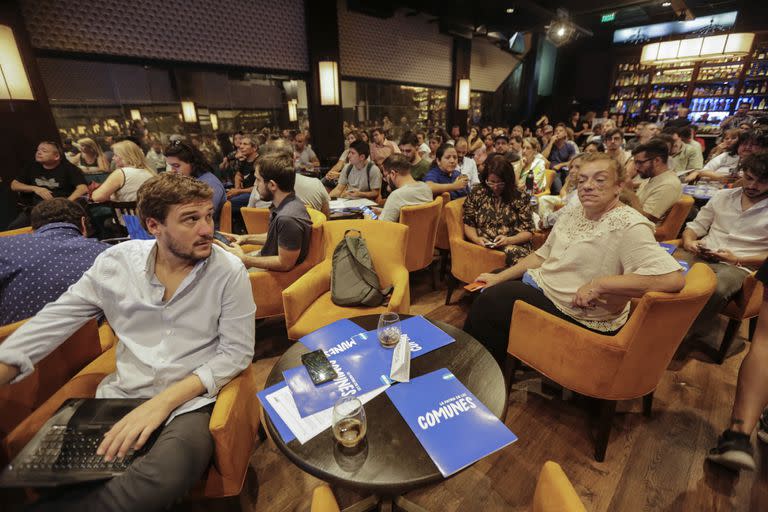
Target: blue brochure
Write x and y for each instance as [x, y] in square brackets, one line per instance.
[342, 335]
[333, 338]
[360, 369]
[277, 421]
[668, 247]
[452, 425]
[685, 266]
[423, 335]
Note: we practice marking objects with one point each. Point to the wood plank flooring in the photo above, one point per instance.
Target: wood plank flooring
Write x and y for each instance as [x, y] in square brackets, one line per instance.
[654, 464]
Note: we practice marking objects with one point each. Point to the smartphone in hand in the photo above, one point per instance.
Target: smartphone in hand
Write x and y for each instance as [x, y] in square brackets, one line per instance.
[221, 238]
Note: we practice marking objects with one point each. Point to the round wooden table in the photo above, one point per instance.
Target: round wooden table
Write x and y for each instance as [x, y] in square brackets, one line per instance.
[391, 461]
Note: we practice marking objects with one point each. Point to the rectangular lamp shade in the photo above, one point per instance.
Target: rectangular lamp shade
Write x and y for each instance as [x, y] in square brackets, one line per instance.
[135, 114]
[188, 112]
[14, 83]
[697, 48]
[463, 95]
[293, 114]
[214, 122]
[329, 82]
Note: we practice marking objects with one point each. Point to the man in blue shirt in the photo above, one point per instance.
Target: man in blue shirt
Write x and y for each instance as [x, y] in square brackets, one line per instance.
[37, 268]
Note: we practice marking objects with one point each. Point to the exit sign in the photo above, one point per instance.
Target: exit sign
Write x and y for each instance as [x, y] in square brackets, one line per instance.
[608, 17]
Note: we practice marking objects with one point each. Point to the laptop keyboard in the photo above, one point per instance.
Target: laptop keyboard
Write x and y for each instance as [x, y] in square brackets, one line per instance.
[66, 449]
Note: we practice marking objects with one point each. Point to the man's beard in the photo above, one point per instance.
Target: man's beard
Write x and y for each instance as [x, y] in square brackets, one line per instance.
[267, 195]
[179, 252]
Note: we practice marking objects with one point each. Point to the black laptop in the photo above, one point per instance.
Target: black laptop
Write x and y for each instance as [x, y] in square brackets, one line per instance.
[64, 450]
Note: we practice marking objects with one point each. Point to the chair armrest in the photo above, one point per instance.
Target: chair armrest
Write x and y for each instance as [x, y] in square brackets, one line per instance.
[565, 352]
[323, 500]
[107, 337]
[234, 423]
[400, 300]
[469, 260]
[304, 291]
[250, 248]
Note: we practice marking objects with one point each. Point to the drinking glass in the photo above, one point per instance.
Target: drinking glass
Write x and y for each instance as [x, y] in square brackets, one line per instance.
[389, 329]
[349, 424]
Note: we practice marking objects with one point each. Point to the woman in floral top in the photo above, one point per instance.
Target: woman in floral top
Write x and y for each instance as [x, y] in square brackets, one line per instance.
[497, 214]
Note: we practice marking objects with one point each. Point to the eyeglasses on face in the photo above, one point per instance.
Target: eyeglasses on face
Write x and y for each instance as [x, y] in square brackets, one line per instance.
[494, 184]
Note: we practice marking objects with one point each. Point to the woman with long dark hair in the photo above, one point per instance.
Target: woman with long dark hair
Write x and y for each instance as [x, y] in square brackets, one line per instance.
[497, 214]
[187, 160]
[444, 176]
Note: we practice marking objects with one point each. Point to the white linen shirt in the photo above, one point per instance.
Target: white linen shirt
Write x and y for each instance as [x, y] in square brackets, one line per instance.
[206, 328]
[722, 224]
[468, 167]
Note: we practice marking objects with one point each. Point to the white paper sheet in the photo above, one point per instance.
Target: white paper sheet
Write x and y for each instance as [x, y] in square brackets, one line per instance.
[306, 428]
[338, 204]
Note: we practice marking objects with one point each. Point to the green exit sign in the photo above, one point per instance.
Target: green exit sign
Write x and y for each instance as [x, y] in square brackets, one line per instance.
[608, 17]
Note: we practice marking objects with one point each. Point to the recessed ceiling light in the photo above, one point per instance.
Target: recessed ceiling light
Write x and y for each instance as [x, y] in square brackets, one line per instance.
[666, 4]
[510, 10]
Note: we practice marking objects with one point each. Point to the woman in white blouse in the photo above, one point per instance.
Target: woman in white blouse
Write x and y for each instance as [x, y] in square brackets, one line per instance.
[132, 171]
[724, 165]
[597, 257]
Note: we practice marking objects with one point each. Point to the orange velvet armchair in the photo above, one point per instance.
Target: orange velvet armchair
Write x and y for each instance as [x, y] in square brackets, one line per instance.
[468, 260]
[20, 231]
[256, 220]
[267, 287]
[554, 492]
[307, 302]
[549, 176]
[670, 226]
[441, 239]
[422, 221]
[19, 400]
[234, 423]
[225, 218]
[622, 367]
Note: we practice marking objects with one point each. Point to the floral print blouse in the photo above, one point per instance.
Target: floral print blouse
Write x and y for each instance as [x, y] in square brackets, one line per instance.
[492, 217]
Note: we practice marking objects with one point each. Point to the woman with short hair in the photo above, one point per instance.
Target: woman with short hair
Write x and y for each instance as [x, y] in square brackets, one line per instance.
[598, 256]
[533, 164]
[497, 214]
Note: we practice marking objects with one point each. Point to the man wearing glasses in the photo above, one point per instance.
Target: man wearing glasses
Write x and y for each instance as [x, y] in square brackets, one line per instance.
[660, 188]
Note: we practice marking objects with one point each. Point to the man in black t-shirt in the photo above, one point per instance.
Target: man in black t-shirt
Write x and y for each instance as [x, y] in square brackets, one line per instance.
[734, 449]
[50, 176]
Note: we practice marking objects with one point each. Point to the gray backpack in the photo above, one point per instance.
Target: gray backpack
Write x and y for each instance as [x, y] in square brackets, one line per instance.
[353, 280]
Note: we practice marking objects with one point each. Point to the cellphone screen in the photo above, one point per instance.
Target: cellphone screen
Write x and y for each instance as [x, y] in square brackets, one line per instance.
[221, 238]
[318, 366]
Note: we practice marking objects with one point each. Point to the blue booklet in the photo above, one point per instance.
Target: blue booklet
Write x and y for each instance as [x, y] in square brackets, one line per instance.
[282, 429]
[359, 369]
[668, 247]
[452, 425]
[423, 335]
[334, 339]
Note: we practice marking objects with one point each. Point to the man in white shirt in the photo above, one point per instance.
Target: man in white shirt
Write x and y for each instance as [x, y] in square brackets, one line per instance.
[730, 234]
[466, 166]
[660, 189]
[183, 312]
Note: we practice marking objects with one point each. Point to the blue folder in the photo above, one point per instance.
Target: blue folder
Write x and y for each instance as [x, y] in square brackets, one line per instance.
[360, 369]
[452, 425]
[285, 432]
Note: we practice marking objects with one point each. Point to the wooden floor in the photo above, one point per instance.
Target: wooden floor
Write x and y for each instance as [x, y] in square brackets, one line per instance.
[651, 464]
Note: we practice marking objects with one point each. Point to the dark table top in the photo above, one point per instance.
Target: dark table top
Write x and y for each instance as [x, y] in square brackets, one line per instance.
[391, 460]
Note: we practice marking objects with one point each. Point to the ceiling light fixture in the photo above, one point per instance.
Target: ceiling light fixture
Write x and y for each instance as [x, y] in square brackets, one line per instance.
[562, 31]
[510, 10]
[666, 4]
[697, 48]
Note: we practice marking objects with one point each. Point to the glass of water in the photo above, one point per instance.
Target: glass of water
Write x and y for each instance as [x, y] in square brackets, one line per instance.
[389, 329]
[349, 423]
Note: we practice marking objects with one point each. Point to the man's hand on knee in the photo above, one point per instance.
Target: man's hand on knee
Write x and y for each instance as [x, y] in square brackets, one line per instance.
[133, 430]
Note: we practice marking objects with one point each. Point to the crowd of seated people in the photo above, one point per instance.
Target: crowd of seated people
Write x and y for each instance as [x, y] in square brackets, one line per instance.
[605, 203]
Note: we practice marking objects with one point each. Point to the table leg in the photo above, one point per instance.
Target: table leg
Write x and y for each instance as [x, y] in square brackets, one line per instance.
[369, 503]
[385, 505]
[407, 505]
